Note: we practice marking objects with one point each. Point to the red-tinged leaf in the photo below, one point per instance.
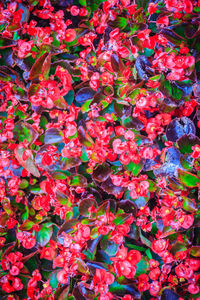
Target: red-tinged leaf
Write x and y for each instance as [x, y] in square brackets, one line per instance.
[41, 67]
[64, 294]
[166, 232]
[189, 204]
[5, 202]
[68, 226]
[84, 205]
[110, 188]
[121, 218]
[24, 270]
[178, 247]
[26, 131]
[102, 172]
[117, 64]
[78, 180]
[27, 257]
[172, 36]
[27, 225]
[3, 218]
[28, 164]
[82, 267]
[9, 249]
[186, 142]
[4, 76]
[34, 88]
[84, 138]
[68, 163]
[132, 123]
[52, 136]
[6, 43]
[188, 179]
[103, 209]
[195, 251]
[46, 67]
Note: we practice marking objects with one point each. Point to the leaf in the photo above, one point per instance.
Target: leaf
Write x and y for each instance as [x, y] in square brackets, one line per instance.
[168, 294]
[52, 136]
[84, 94]
[144, 240]
[109, 247]
[84, 205]
[188, 179]
[119, 22]
[132, 123]
[64, 294]
[27, 225]
[179, 127]
[135, 168]
[172, 36]
[189, 204]
[53, 281]
[117, 64]
[178, 247]
[26, 131]
[68, 226]
[84, 137]
[143, 66]
[28, 164]
[103, 209]
[186, 142]
[69, 97]
[6, 43]
[185, 86]
[78, 180]
[44, 235]
[122, 289]
[102, 172]
[195, 251]
[121, 218]
[142, 266]
[110, 188]
[68, 163]
[171, 90]
[41, 67]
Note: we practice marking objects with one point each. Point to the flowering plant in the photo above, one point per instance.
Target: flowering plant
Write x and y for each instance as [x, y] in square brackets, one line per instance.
[99, 149]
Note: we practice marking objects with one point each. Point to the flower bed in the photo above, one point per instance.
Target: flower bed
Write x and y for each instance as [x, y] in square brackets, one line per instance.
[100, 149]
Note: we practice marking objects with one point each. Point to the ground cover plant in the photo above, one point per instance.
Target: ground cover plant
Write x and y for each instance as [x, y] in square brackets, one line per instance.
[99, 149]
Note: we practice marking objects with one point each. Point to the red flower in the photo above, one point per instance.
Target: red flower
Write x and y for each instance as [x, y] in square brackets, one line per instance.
[70, 35]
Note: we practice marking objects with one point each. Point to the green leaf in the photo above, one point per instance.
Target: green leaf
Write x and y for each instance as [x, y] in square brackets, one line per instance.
[53, 281]
[189, 204]
[44, 235]
[135, 168]
[142, 267]
[78, 180]
[27, 225]
[69, 97]
[109, 247]
[188, 179]
[170, 90]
